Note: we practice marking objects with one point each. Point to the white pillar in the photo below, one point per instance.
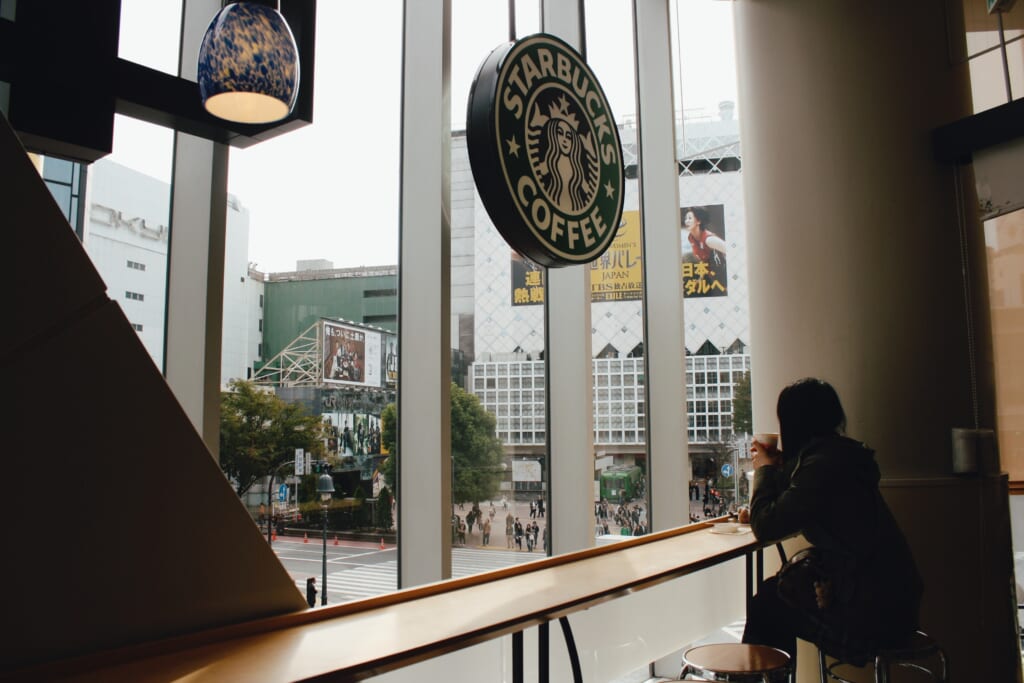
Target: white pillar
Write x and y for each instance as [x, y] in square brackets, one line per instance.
[867, 269]
[569, 366]
[424, 336]
[195, 262]
[668, 462]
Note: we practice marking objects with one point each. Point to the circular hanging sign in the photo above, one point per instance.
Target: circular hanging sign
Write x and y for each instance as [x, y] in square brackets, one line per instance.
[545, 151]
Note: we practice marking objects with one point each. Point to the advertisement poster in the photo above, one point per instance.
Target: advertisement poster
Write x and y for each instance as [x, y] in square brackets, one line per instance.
[703, 240]
[352, 356]
[615, 276]
[391, 361]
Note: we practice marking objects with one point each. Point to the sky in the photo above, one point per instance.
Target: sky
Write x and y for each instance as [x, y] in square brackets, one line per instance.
[330, 190]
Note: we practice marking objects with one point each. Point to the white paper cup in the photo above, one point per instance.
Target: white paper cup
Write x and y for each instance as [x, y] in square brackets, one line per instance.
[769, 440]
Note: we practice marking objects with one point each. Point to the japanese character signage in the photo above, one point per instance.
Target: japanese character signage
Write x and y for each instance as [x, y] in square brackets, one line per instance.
[352, 355]
[703, 238]
[617, 275]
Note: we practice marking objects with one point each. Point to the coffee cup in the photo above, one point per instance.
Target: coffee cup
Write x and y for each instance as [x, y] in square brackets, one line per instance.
[769, 440]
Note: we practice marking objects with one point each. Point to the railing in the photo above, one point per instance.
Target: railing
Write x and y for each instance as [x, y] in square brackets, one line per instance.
[357, 640]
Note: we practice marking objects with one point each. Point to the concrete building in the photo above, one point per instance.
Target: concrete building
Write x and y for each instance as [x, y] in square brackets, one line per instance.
[858, 131]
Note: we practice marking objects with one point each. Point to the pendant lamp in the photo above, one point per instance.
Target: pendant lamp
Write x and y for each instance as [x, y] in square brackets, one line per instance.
[249, 64]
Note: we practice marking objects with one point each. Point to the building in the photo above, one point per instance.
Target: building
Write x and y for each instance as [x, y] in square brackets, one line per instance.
[828, 95]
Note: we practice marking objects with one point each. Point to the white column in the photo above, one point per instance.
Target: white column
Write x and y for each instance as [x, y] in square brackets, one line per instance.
[569, 367]
[668, 462]
[424, 336]
[867, 269]
[195, 283]
[856, 266]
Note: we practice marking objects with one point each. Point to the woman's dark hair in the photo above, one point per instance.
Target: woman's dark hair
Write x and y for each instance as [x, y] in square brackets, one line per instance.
[808, 408]
[701, 214]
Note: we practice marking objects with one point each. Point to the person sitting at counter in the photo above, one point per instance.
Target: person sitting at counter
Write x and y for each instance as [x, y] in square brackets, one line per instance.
[865, 590]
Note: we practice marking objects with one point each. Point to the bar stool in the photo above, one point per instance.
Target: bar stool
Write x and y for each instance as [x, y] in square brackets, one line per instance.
[920, 647]
[737, 662]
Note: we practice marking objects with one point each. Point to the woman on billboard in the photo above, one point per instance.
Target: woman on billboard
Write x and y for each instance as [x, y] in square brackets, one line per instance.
[705, 245]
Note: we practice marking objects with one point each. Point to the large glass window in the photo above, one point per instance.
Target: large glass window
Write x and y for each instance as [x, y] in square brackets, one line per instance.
[1004, 239]
[995, 54]
[714, 253]
[621, 503]
[151, 33]
[312, 230]
[497, 484]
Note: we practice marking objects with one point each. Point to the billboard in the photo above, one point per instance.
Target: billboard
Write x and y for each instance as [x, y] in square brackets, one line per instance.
[703, 238]
[617, 275]
[353, 356]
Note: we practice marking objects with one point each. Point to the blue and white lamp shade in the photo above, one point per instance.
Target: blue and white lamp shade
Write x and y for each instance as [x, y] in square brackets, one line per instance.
[249, 65]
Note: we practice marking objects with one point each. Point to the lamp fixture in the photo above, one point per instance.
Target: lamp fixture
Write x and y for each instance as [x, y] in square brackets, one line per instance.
[249, 64]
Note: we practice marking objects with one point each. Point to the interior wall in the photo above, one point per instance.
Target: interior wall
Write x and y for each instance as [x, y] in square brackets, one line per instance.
[126, 529]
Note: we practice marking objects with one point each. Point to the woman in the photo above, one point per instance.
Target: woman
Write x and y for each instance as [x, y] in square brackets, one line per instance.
[704, 244]
[825, 486]
[564, 180]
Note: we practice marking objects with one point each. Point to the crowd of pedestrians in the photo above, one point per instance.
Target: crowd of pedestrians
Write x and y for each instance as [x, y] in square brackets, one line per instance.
[525, 532]
[476, 525]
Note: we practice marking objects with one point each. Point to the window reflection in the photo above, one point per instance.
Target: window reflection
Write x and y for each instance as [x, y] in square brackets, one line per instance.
[1004, 241]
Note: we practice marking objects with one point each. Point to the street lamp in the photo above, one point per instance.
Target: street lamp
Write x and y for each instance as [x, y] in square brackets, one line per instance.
[325, 487]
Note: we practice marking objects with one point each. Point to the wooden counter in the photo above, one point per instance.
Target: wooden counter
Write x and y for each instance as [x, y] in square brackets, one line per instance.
[356, 640]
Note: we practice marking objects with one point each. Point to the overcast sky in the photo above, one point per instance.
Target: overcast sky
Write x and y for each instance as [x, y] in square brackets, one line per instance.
[330, 190]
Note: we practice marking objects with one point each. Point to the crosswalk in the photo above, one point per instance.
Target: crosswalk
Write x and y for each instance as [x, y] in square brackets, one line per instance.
[368, 580]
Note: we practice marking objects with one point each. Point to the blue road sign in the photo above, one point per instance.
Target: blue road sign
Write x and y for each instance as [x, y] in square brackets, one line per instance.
[726, 470]
[282, 493]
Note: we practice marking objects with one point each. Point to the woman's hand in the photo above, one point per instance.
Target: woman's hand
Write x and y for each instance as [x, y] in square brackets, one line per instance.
[764, 455]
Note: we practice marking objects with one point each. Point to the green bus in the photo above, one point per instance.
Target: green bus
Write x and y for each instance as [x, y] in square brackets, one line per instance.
[620, 484]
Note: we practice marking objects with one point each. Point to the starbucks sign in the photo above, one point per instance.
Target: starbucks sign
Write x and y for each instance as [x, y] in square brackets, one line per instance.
[545, 151]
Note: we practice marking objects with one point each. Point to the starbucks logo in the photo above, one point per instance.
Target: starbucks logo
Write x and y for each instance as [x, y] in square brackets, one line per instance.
[545, 151]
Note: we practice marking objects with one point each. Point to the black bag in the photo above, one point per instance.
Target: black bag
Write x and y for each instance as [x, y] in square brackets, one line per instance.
[804, 582]
[836, 603]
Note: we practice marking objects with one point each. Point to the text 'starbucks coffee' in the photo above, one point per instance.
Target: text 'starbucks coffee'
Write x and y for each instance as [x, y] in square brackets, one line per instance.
[545, 151]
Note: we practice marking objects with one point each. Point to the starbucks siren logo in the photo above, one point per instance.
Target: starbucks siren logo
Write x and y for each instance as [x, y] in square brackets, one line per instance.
[545, 152]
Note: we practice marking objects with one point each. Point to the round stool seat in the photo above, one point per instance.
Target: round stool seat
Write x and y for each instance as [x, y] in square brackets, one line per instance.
[910, 655]
[737, 662]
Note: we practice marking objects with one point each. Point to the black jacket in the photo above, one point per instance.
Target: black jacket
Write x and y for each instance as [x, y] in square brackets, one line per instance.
[829, 493]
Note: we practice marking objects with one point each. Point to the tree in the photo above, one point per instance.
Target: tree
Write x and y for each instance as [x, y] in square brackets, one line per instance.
[476, 450]
[384, 519]
[259, 432]
[389, 443]
[742, 415]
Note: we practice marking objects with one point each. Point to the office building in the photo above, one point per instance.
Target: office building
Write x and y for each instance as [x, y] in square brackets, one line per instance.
[861, 148]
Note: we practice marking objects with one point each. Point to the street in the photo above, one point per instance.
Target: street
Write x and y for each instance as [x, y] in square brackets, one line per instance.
[360, 570]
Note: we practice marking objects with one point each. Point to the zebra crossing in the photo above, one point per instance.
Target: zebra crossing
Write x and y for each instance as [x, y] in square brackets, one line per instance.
[368, 580]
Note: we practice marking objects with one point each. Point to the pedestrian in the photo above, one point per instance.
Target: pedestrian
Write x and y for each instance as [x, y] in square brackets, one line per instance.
[311, 591]
[518, 528]
[509, 530]
[533, 509]
[486, 532]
